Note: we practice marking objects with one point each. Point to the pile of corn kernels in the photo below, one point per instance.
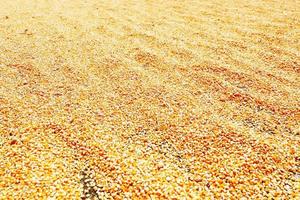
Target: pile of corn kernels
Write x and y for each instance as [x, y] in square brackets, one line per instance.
[149, 99]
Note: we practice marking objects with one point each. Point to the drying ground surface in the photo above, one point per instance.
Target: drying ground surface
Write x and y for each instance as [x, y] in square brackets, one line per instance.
[149, 99]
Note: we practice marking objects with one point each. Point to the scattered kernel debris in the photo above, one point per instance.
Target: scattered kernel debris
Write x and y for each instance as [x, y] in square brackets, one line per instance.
[149, 99]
